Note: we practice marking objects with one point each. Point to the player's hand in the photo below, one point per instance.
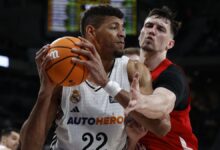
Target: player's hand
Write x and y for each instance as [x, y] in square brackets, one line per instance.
[135, 131]
[135, 101]
[94, 62]
[42, 60]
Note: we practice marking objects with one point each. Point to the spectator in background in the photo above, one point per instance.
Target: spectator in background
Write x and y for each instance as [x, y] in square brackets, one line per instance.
[9, 139]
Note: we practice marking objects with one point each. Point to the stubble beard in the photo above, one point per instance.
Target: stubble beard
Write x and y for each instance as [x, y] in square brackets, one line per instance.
[118, 53]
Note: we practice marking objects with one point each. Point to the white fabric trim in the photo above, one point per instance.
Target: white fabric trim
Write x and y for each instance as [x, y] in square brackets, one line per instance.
[184, 145]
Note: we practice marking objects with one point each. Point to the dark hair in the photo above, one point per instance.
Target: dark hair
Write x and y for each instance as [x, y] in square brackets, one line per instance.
[7, 131]
[165, 12]
[96, 15]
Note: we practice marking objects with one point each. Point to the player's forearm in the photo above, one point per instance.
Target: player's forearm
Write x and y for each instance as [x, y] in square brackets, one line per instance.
[157, 105]
[157, 126]
[34, 130]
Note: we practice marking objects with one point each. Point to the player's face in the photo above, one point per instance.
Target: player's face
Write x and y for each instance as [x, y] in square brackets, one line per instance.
[12, 141]
[156, 35]
[111, 36]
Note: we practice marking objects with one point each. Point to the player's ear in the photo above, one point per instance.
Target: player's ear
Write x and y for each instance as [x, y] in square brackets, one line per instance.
[170, 44]
[90, 31]
[91, 35]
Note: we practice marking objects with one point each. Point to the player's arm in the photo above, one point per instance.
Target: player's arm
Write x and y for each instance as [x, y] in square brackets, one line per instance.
[160, 126]
[35, 128]
[155, 105]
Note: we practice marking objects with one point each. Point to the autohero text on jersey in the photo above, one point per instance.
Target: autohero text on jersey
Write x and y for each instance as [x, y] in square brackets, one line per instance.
[96, 121]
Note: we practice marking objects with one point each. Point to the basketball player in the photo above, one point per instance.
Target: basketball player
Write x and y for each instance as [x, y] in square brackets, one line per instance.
[169, 82]
[91, 115]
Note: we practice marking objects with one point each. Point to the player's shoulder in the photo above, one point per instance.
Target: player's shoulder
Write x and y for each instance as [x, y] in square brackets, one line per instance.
[136, 66]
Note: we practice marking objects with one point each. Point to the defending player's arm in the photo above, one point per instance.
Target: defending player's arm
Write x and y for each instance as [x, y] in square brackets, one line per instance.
[157, 105]
[159, 126]
[35, 128]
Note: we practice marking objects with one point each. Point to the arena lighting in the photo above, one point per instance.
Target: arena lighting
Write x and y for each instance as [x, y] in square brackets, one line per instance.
[4, 61]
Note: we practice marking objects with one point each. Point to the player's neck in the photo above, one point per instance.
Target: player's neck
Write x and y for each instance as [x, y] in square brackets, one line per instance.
[108, 65]
[154, 60]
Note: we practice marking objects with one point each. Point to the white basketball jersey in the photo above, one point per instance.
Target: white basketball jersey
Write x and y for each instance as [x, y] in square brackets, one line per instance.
[92, 119]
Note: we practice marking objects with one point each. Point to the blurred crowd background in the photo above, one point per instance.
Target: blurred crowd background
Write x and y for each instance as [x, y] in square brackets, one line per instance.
[23, 31]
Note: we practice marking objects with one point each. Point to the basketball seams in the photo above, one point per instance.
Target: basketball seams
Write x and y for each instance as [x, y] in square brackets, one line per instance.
[70, 40]
[61, 47]
[48, 68]
[69, 72]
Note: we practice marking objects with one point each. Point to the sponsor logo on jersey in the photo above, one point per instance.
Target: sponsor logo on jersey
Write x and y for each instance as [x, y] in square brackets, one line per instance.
[111, 120]
[75, 109]
[75, 97]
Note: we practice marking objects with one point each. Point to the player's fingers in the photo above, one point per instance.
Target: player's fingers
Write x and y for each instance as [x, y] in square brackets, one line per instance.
[40, 55]
[137, 78]
[46, 60]
[135, 81]
[134, 94]
[85, 63]
[130, 108]
[87, 45]
[83, 52]
[44, 49]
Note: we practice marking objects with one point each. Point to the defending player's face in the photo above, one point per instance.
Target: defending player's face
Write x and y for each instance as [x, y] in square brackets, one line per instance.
[156, 34]
[111, 35]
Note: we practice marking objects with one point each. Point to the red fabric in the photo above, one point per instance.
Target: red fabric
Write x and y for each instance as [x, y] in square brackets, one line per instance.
[162, 66]
[180, 126]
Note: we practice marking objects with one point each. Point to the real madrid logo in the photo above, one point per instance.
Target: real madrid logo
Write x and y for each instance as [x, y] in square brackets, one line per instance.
[75, 97]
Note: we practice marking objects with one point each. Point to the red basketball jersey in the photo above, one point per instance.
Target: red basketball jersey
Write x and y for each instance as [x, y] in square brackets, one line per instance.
[181, 136]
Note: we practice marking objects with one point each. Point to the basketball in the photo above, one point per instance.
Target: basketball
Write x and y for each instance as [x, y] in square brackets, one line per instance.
[61, 69]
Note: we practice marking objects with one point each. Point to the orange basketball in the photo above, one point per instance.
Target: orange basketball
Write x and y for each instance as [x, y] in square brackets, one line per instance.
[61, 69]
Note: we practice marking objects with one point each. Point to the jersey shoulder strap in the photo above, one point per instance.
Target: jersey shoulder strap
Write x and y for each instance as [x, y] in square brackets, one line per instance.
[159, 69]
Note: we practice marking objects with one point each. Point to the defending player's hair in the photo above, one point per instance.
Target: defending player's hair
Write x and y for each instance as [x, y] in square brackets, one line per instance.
[96, 15]
[165, 12]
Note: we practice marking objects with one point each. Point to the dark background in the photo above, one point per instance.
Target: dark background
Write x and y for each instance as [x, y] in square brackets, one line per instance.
[197, 50]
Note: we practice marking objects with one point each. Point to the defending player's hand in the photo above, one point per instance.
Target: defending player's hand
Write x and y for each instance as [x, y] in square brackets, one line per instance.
[94, 62]
[135, 131]
[134, 102]
[42, 60]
